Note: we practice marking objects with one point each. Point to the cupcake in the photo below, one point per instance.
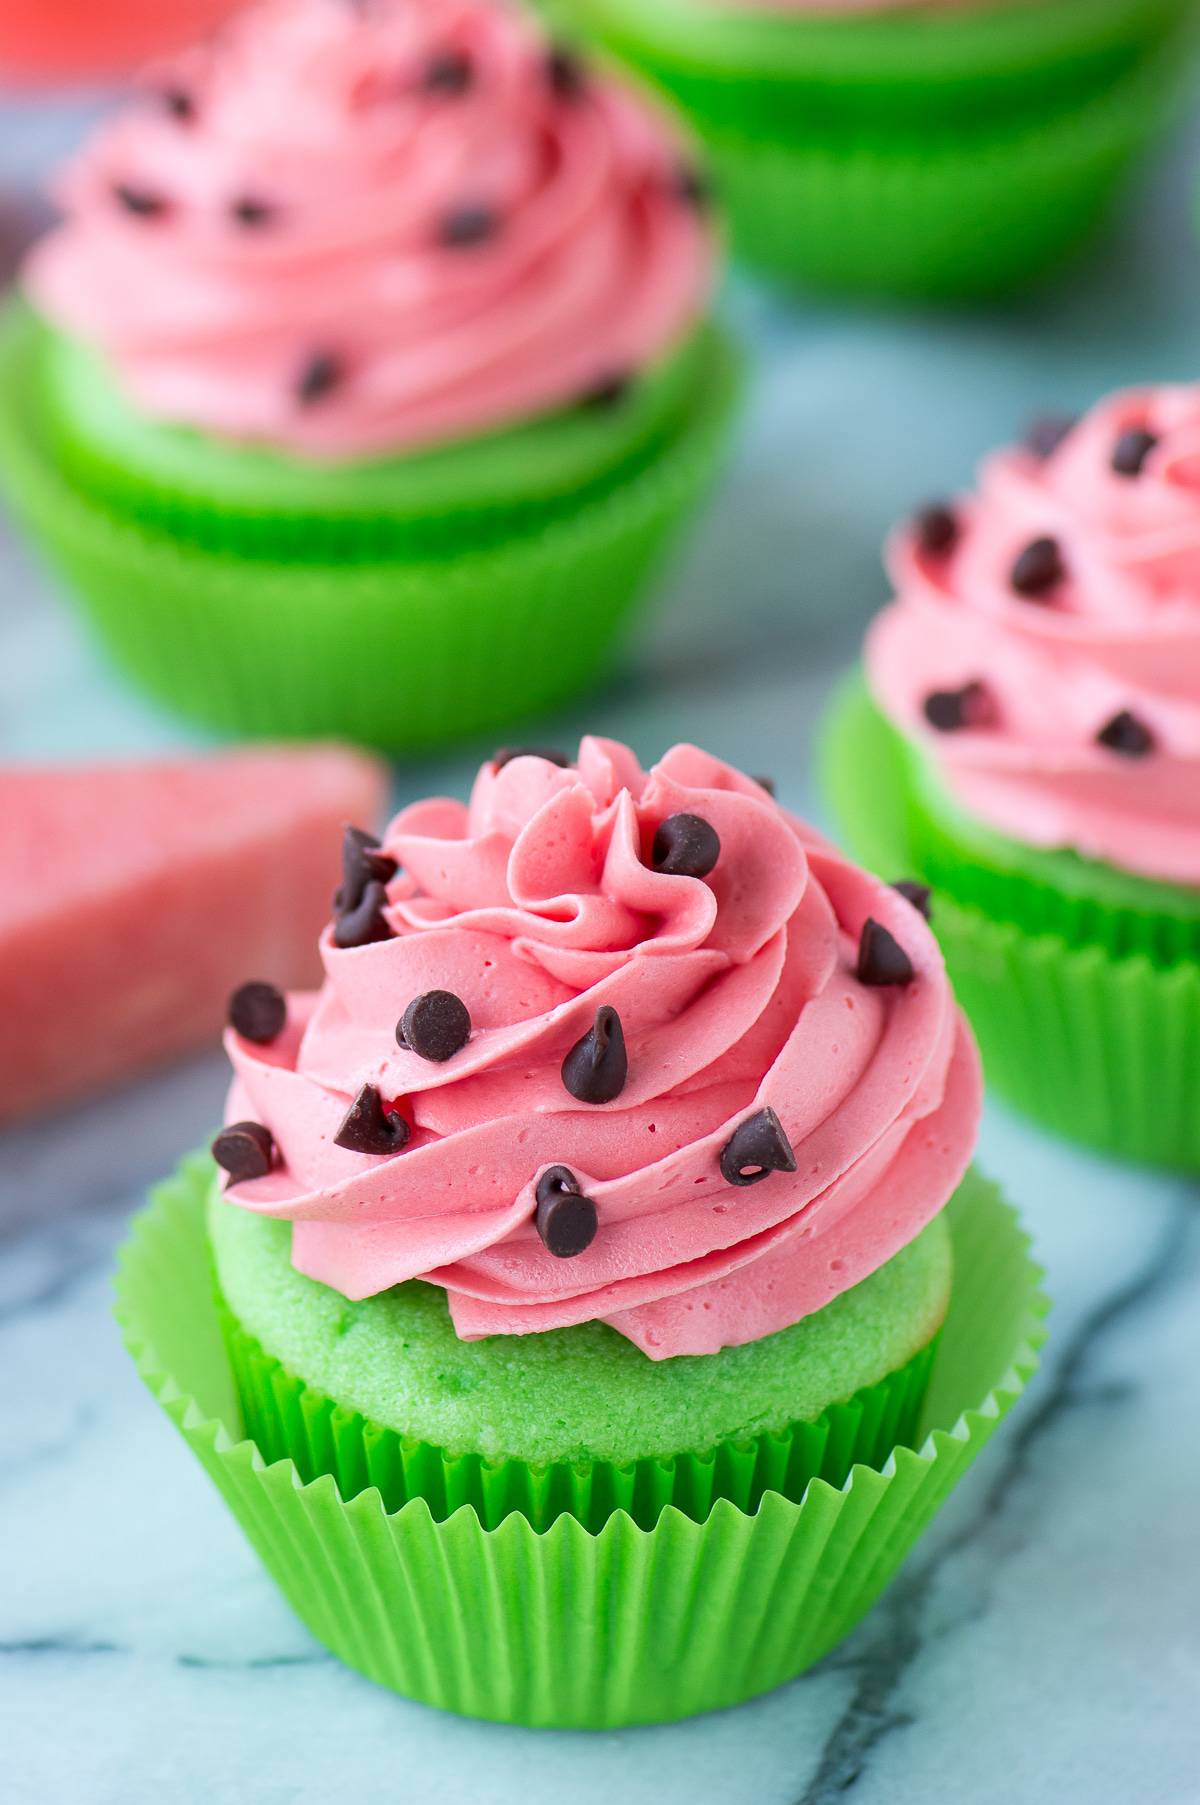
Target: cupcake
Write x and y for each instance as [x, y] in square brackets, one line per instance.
[938, 149]
[600, 1277]
[369, 375]
[60, 40]
[1027, 743]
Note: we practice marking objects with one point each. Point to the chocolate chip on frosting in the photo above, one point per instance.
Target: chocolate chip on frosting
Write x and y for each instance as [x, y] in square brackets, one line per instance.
[951, 710]
[363, 862]
[367, 1127]
[1126, 735]
[435, 1026]
[506, 754]
[692, 185]
[448, 72]
[245, 1150]
[143, 203]
[250, 211]
[595, 1069]
[919, 895]
[472, 223]
[608, 391]
[1047, 433]
[258, 1013]
[1132, 449]
[566, 1220]
[765, 783]
[364, 924]
[179, 103]
[685, 846]
[323, 373]
[566, 72]
[881, 958]
[756, 1148]
[1038, 569]
[935, 529]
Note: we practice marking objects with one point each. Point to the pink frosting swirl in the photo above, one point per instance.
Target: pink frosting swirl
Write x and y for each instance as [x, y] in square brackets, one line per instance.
[1066, 609]
[357, 229]
[537, 905]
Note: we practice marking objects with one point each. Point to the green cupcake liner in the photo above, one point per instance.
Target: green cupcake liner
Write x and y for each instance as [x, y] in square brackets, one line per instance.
[288, 1418]
[400, 653]
[788, 75]
[567, 1626]
[1100, 1046]
[949, 220]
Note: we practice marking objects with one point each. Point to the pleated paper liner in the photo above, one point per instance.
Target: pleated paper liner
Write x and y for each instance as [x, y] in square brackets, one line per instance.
[252, 501]
[784, 74]
[285, 1417]
[399, 653]
[568, 1626]
[949, 220]
[1099, 1045]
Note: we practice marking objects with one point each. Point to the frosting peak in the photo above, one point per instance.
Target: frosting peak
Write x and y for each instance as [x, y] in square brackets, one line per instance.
[1044, 644]
[770, 1129]
[346, 230]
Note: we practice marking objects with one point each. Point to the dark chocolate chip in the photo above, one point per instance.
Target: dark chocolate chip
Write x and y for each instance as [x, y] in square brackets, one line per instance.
[506, 755]
[766, 783]
[363, 862]
[566, 1219]
[936, 529]
[1047, 433]
[471, 224]
[367, 1127]
[950, 710]
[320, 376]
[258, 1012]
[566, 72]
[693, 187]
[1038, 569]
[919, 895]
[180, 104]
[608, 392]
[143, 203]
[1132, 449]
[1127, 735]
[245, 1150]
[364, 924]
[595, 1069]
[448, 72]
[685, 846]
[435, 1026]
[756, 1148]
[881, 958]
[249, 211]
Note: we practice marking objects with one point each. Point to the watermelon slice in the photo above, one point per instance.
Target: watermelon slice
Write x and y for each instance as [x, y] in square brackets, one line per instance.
[134, 898]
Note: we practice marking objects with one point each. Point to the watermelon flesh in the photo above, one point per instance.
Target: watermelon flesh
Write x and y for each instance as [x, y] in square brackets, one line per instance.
[134, 898]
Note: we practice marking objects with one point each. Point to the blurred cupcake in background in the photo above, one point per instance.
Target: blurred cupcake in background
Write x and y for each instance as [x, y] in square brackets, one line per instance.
[370, 373]
[66, 40]
[923, 148]
[1027, 743]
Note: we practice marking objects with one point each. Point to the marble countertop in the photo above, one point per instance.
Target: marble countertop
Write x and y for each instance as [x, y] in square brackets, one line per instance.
[1043, 1644]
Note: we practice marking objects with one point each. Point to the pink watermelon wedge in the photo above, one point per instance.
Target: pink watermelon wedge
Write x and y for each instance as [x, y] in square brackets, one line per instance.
[134, 898]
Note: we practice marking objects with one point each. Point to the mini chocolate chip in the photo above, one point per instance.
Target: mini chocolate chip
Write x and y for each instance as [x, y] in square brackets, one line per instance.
[1127, 735]
[919, 895]
[251, 212]
[258, 1012]
[608, 392]
[693, 187]
[245, 1150]
[363, 862]
[595, 1069]
[685, 846]
[1047, 433]
[435, 1026]
[756, 1148]
[471, 224]
[143, 203]
[1038, 569]
[179, 104]
[566, 72]
[320, 376]
[364, 924]
[367, 1127]
[448, 72]
[950, 710]
[936, 529]
[1132, 449]
[765, 783]
[566, 1219]
[881, 958]
[506, 755]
